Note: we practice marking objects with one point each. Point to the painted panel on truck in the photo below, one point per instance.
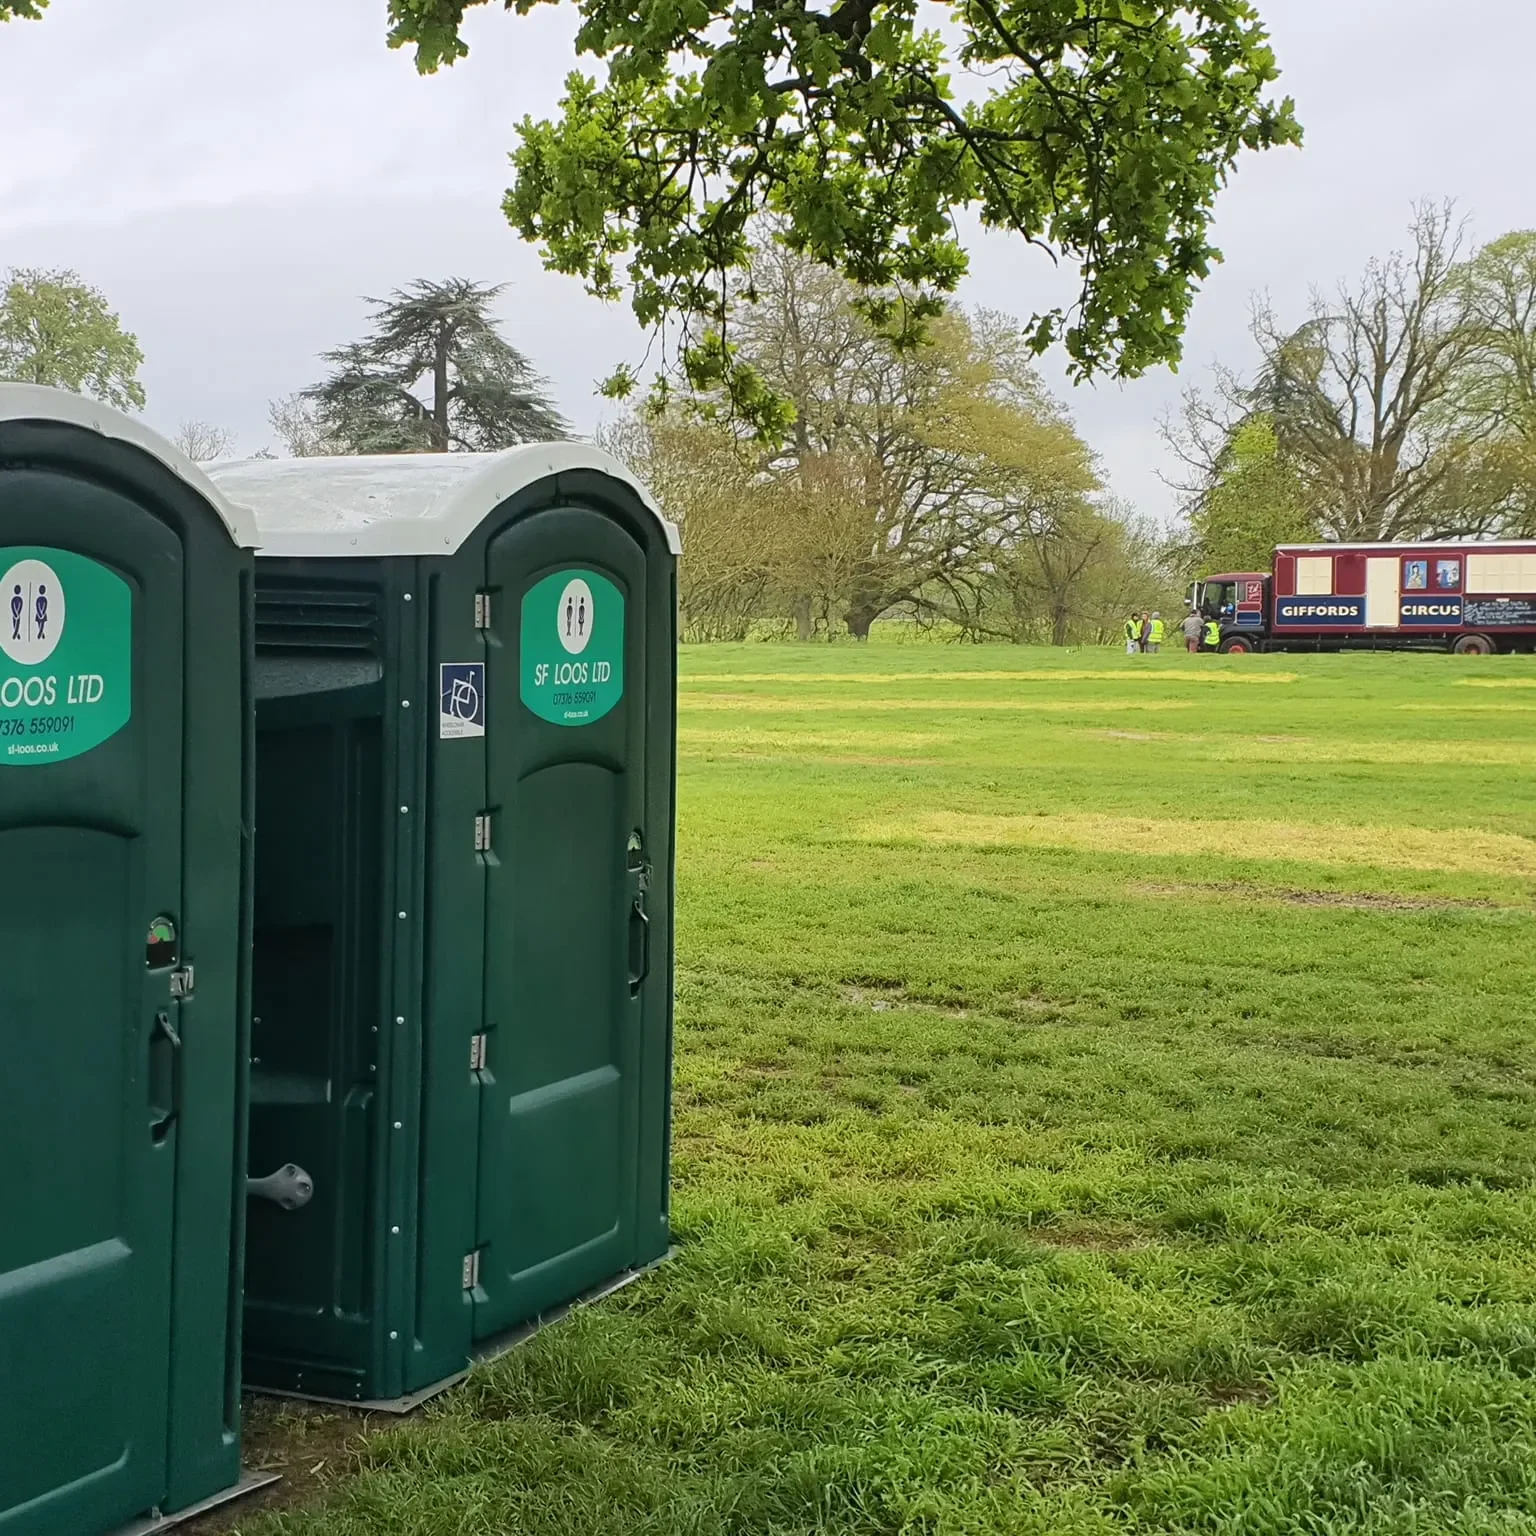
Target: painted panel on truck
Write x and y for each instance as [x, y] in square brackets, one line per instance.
[1250, 601]
[1488, 613]
[1318, 612]
[1431, 613]
[1349, 575]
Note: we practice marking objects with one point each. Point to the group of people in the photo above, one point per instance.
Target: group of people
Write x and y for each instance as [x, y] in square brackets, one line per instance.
[1144, 633]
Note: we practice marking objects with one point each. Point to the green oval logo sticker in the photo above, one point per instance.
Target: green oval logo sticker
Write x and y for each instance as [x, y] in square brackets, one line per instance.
[572, 647]
[66, 656]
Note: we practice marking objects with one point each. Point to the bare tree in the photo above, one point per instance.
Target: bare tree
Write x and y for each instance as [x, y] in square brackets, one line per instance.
[202, 442]
[1358, 394]
[1360, 397]
[298, 426]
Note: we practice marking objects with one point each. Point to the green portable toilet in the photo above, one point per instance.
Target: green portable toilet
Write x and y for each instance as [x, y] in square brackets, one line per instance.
[465, 680]
[124, 920]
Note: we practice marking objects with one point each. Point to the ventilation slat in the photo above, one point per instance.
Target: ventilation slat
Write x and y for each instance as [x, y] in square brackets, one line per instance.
[317, 621]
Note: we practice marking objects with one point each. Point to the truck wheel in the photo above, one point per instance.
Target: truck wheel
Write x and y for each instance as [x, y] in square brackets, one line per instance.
[1473, 645]
[1238, 645]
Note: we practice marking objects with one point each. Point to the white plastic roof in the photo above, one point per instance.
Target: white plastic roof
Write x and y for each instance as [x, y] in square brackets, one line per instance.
[400, 504]
[32, 402]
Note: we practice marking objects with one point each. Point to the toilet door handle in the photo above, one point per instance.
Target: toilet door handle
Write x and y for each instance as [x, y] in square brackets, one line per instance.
[164, 1077]
[639, 944]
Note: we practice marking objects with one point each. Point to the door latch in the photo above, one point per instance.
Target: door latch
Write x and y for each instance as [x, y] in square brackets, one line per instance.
[183, 983]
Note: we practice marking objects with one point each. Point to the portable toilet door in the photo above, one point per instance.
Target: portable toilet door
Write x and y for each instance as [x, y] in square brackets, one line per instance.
[570, 794]
[123, 743]
[566, 589]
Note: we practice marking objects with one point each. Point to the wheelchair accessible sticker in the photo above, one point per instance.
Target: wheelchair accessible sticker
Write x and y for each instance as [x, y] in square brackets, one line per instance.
[461, 710]
[66, 656]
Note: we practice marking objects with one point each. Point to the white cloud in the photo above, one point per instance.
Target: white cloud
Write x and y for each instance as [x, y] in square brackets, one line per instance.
[237, 176]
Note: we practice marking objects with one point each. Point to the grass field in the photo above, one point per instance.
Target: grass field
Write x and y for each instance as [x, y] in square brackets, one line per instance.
[1105, 1103]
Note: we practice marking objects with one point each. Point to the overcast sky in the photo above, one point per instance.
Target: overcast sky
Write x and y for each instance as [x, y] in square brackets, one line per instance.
[237, 176]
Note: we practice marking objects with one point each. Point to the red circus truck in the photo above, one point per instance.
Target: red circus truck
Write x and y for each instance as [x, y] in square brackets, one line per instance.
[1471, 598]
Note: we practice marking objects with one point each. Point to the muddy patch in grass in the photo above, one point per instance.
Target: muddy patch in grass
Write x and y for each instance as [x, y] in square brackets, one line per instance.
[869, 991]
[309, 1445]
[1237, 1395]
[886, 997]
[1361, 901]
[745, 755]
[1090, 1237]
[1033, 1008]
[1453, 849]
[772, 1069]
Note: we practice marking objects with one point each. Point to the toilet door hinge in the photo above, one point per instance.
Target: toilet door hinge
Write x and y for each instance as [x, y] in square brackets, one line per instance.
[483, 832]
[183, 983]
[477, 1053]
[482, 610]
[471, 1270]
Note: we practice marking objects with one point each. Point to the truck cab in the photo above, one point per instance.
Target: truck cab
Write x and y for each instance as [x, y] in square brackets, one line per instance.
[1239, 602]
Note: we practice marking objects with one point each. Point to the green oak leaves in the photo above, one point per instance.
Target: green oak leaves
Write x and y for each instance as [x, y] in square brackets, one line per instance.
[1097, 130]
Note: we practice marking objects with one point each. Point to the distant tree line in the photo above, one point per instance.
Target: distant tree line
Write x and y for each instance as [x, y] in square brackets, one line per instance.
[929, 478]
[1400, 407]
